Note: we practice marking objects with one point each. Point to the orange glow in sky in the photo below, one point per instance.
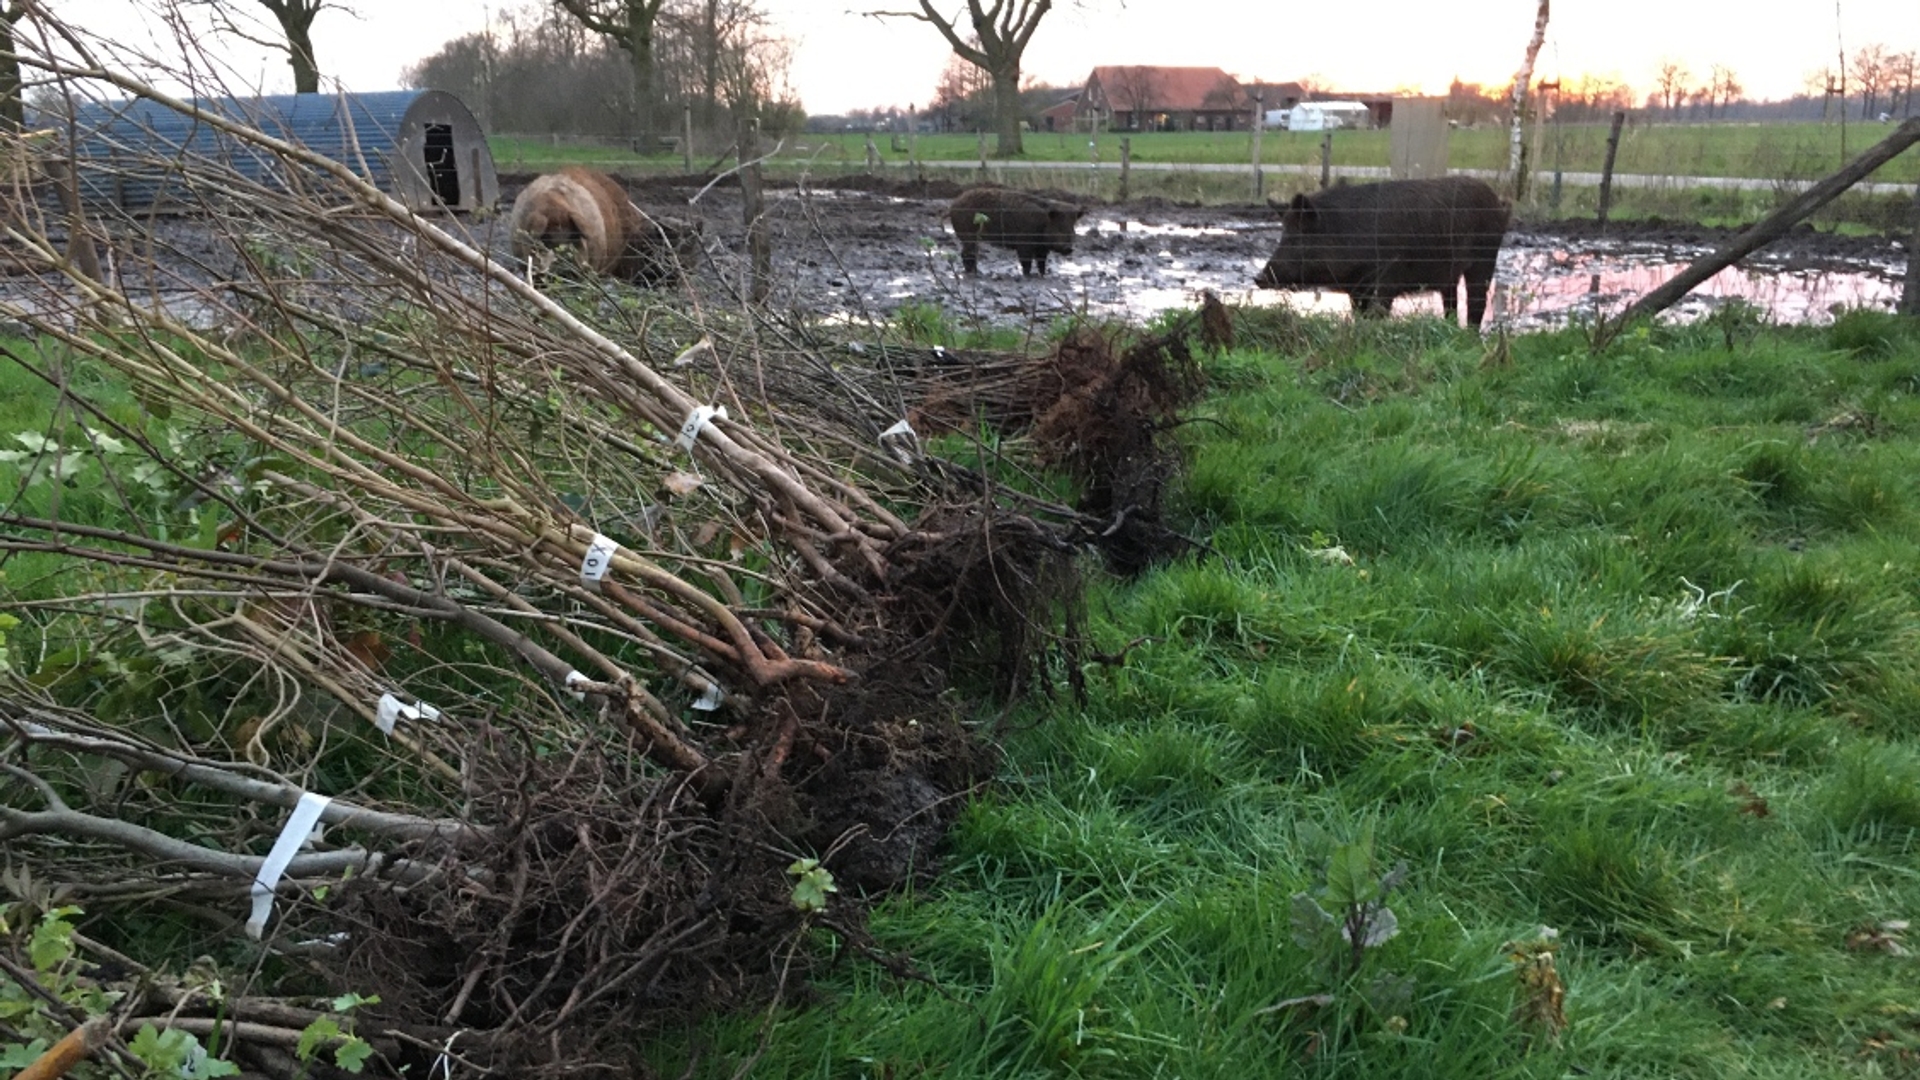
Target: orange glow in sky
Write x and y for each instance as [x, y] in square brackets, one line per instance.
[844, 59]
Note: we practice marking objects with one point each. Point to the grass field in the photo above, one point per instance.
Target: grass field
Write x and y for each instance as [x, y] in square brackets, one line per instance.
[1624, 645]
[1786, 151]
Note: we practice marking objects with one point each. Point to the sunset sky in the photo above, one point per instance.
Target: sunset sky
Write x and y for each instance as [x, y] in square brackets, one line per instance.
[844, 59]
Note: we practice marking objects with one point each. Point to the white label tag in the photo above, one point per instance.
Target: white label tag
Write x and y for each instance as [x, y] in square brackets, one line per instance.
[711, 700]
[598, 561]
[900, 428]
[297, 830]
[392, 710]
[573, 681]
[696, 420]
[387, 714]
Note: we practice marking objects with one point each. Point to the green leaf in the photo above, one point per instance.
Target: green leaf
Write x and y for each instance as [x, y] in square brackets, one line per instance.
[1350, 877]
[52, 942]
[21, 1055]
[813, 884]
[321, 1031]
[213, 1066]
[1311, 924]
[346, 1003]
[352, 1055]
[162, 1051]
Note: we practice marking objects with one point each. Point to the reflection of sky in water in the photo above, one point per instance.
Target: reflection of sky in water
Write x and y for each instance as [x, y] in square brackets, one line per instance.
[1136, 271]
[1141, 229]
[1537, 288]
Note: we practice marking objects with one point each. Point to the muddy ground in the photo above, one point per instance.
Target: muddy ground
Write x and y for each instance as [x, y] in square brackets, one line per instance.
[865, 248]
[865, 245]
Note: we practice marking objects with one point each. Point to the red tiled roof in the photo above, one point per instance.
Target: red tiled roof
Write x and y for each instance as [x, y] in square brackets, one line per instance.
[1166, 89]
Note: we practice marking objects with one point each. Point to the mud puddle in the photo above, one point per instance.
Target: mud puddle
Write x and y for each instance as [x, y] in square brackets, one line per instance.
[869, 254]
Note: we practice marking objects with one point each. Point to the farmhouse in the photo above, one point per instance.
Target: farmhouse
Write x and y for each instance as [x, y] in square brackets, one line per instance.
[423, 147]
[1154, 98]
[1060, 115]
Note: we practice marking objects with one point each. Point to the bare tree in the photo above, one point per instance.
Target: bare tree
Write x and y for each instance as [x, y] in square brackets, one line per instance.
[1516, 153]
[630, 25]
[12, 107]
[713, 54]
[1672, 79]
[1821, 83]
[1724, 84]
[1139, 88]
[961, 92]
[1871, 68]
[294, 19]
[1001, 30]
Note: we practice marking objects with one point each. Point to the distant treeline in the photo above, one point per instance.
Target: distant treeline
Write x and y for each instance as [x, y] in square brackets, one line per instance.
[542, 71]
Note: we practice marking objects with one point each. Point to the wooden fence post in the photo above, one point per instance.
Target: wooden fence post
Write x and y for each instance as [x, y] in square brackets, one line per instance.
[983, 155]
[686, 135]
[1606, 170]
[1326, 159]
[1259, 125]
[1126, 163]
[753, 205]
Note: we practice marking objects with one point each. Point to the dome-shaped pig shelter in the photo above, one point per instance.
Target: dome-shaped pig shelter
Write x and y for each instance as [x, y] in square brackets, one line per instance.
[423, 147]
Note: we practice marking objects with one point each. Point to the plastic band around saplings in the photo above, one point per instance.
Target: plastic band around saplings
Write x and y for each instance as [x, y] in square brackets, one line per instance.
[297, 831]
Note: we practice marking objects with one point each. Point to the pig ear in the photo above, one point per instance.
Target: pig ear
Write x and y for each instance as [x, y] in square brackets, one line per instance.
[1300, 211]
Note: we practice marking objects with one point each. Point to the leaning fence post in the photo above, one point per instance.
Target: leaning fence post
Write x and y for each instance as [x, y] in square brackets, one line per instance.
[1606, 170]
[983, 155]
[1126, 163]
[1767, 229]
[1326, 159]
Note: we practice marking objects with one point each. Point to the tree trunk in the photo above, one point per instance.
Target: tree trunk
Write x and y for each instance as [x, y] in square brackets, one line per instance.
[640, 51]
[296, 22]
[1517, 143]
[13, 117]
[1006, 111]
[710, 62]
[306, 73]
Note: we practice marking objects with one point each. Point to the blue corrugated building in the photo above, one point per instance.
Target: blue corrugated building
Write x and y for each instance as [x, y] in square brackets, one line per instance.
[423, 147]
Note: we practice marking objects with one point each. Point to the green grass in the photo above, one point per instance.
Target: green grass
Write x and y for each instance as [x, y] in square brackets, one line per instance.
[1775, 151]
[1629, 646]
[1798, 151]
[1785, 153]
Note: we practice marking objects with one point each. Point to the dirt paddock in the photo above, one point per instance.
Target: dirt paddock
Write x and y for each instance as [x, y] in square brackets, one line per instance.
[865, 246]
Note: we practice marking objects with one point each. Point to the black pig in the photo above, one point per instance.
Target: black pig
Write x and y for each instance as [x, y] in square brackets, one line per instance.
[1377, 241]
[1030, 225]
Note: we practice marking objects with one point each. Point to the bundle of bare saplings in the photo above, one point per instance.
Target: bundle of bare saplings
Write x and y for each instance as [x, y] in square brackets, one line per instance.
[539, 662]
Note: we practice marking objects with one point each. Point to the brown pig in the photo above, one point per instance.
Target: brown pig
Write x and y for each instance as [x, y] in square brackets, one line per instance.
[1030, 225]
[1377, 241]
[589, 211]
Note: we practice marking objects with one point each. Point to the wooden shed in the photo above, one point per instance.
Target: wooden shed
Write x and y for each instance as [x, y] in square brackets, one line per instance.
[423, 147]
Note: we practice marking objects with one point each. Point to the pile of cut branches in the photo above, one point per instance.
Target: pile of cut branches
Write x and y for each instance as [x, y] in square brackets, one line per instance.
[537, 662]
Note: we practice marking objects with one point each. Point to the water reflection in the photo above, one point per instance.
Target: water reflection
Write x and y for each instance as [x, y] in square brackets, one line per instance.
[1544, 287]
